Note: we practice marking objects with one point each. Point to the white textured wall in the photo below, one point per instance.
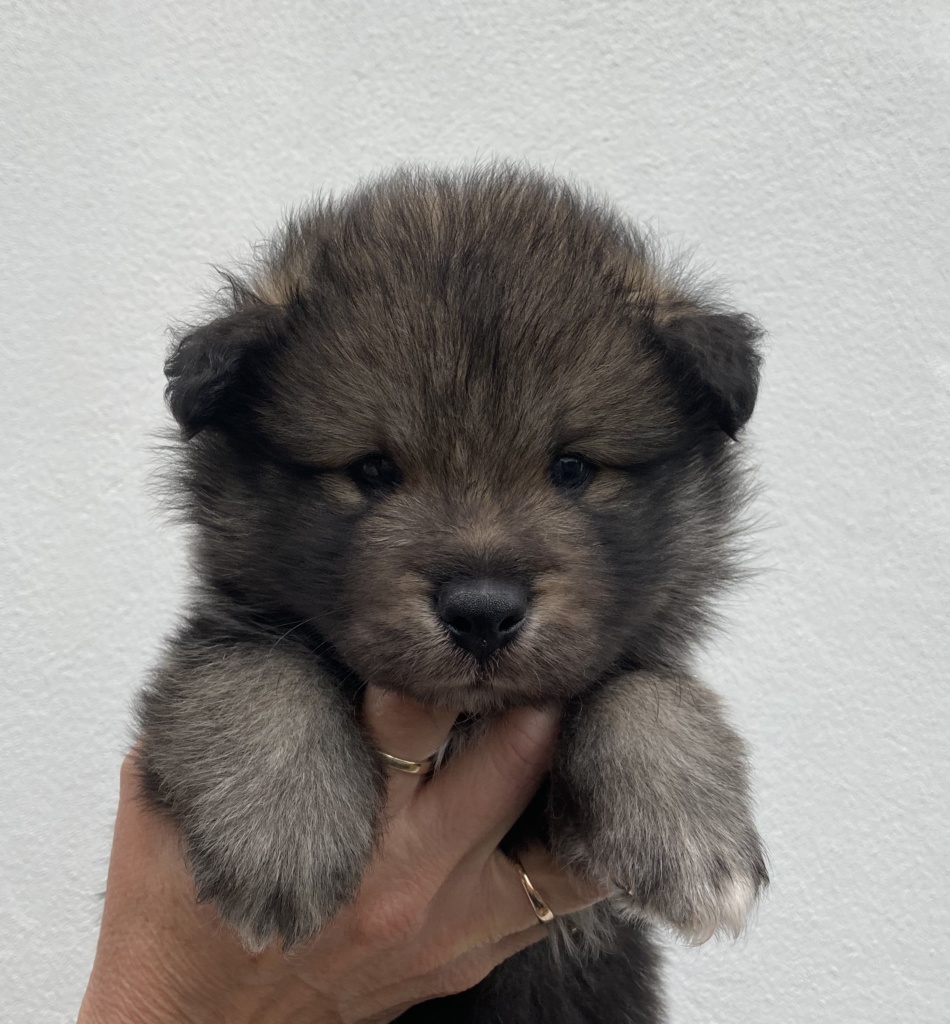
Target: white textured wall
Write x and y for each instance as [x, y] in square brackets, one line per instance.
[803, 147]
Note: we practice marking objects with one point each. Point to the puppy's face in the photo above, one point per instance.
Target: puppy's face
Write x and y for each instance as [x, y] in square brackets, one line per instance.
[466, 433]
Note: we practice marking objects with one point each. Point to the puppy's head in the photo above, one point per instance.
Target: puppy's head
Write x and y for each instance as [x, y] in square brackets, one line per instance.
[468, 432]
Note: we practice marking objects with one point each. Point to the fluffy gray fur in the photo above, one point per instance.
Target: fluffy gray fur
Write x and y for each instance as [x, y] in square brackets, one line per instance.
[478, 333]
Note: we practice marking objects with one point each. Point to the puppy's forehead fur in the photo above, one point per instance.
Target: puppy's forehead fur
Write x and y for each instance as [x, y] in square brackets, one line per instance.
[519, 306]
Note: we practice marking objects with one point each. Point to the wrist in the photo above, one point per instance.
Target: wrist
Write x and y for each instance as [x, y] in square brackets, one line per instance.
[176, 973]
[149, 994]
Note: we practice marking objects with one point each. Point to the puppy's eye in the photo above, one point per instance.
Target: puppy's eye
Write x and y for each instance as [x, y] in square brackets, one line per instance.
[376, 473]
[571, 472]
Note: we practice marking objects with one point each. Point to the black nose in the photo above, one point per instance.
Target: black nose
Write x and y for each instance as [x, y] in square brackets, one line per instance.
[482, 615]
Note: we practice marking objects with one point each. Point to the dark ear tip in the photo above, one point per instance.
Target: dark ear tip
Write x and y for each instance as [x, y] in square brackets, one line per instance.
[186, 393]
[172, 366]
[715, 357]
[209, 368]
[746, 381]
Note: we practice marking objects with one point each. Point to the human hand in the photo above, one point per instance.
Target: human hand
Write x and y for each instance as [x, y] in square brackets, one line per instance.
[439, 907]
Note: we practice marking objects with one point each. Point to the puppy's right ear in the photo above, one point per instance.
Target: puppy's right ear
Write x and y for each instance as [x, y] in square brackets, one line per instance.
[210, 370]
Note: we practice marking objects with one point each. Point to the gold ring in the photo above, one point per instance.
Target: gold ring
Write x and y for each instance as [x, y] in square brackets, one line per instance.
[402, 765]
[541, 910]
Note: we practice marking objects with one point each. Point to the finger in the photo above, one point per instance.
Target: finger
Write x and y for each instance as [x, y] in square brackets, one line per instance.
[476, 799]
[482, 905]
[499, 903]
[556, 888]
[408, 730]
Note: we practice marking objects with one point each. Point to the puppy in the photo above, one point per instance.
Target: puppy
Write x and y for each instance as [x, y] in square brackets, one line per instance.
[466, 437]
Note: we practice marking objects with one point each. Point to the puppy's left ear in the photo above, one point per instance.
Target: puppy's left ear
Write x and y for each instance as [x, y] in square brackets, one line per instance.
[714, 358]
[211, 370]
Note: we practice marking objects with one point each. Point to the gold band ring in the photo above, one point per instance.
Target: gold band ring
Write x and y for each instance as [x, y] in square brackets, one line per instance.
[541, 910]
[402, 765]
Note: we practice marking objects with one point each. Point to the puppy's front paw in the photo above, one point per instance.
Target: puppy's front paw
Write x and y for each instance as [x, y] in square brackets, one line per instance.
[275, 870]
[693, 865]
[697, 890]
[663, 812]
[279, 870]
[270, 885]
[263, 767]
[277, 853]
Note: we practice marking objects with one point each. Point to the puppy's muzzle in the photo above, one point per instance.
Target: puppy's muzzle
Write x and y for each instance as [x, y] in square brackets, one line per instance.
[482, 615]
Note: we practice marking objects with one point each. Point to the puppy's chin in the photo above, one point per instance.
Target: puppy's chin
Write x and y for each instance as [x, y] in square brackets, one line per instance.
[481, 693]
[511, 678]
